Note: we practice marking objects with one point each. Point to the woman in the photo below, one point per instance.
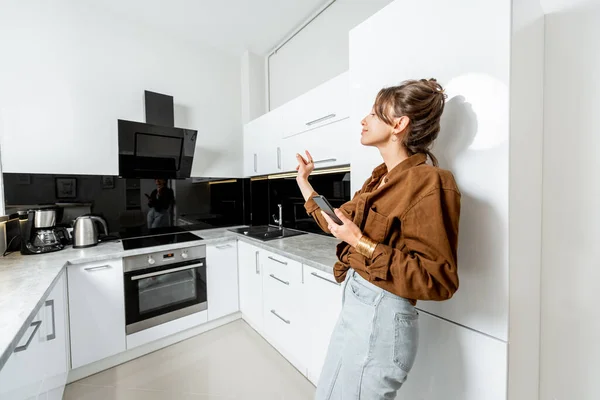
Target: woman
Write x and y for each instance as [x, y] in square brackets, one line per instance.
[400, 234]
[160, 202]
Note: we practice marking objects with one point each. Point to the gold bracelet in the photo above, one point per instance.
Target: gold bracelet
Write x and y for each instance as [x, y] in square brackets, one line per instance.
[366, 246]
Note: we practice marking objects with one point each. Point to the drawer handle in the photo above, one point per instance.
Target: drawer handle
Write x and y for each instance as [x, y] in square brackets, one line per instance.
[225, 246]
[50, 303]
[325, 279]
[255, 162]
[256, 261]
[325, 161]
[92, 269]
[280, 280]
[36, 325]
[276, 260]
[278, 158]
[316, 121]
[280, 317]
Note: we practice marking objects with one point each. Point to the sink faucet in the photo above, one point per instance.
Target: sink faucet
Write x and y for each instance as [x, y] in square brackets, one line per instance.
[280, 220]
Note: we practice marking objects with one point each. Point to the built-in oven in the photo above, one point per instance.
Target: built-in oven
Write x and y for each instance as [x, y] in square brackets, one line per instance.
[164, 286]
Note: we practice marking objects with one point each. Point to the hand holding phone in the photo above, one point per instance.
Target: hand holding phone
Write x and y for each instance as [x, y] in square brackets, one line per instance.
[327, 208]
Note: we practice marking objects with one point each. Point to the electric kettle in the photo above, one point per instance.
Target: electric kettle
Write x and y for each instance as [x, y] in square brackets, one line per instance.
[85, 231]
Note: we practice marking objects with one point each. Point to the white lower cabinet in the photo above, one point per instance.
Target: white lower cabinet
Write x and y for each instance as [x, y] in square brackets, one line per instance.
[250, 285]
[222, 279]
[97, 311]
[455, 363]
[323, 303]
[55, 327]
[38, 366]
[283, 309]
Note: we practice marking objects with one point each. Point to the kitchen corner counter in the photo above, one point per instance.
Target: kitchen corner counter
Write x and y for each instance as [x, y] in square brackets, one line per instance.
[25, 281]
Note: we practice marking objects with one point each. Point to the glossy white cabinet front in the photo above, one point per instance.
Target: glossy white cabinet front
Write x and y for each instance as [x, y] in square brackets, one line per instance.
[455, 363]
[322, 303]
[472, 62]
[97, 311]
[38, 366]
[222, 279]
[251, 285]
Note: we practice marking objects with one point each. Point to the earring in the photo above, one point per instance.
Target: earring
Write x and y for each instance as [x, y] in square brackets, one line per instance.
[394, 138]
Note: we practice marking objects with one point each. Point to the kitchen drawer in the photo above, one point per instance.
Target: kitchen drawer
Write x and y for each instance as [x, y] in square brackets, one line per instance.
[281, 268]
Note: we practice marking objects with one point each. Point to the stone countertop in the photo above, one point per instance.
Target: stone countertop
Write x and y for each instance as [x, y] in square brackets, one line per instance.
[25, 281]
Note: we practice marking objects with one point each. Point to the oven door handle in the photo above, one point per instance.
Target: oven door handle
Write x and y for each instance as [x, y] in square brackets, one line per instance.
[169, 271]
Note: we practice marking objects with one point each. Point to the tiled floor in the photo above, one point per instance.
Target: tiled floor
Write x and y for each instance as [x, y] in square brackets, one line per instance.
[230, 362]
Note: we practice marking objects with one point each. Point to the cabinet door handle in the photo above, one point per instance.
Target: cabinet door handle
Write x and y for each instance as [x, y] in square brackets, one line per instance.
[92, 269]
[276, 260]
[278, 158]
[280, 280]
[316, 121]
[325, 279]
[326, 160]
[255, 162]
[36, 325]
[256, 260]
[225, 246]
[287, 321]
[52, 336]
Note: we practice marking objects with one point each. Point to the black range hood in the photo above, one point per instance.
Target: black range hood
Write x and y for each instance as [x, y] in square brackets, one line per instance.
[156, 149]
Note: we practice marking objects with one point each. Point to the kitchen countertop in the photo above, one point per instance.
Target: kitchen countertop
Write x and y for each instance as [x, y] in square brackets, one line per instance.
[27, 280]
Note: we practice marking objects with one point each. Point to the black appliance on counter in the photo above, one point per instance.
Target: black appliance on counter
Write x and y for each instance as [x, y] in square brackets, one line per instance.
[156, 149]
[39, 233]
[164, 286]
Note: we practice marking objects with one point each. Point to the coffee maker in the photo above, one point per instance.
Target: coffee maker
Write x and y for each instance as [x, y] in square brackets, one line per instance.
[40, 234]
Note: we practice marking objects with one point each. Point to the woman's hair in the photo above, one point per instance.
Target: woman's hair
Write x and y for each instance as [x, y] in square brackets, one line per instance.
[422, 101]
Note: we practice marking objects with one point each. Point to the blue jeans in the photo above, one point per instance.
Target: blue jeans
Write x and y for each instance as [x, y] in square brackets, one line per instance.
[373, 346]
[158, 219]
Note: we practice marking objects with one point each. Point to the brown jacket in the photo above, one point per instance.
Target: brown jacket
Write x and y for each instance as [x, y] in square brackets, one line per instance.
[414, 218]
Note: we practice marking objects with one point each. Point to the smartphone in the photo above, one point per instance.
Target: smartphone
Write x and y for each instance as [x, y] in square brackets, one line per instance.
[326, 207]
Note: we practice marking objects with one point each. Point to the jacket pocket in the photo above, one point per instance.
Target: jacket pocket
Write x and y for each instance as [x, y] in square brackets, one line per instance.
[406, 340]
[376, 226]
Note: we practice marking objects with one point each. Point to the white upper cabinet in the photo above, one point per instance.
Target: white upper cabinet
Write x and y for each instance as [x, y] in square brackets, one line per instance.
[469, 54]
[325, 104]
[316, 121]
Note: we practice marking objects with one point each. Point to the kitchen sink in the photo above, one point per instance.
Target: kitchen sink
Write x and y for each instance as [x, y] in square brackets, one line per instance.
[267, 232]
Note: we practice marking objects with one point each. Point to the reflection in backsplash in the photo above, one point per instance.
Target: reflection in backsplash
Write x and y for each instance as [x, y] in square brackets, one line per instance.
[125, 203]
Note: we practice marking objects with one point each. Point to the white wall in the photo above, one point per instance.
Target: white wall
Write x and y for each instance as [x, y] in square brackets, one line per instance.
[525, 197]
[318, 52]
[570, 346]
[69, 71]
[254, 99]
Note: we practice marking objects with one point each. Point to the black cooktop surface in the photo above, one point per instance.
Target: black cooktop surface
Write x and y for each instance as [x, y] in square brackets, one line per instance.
[158, 240]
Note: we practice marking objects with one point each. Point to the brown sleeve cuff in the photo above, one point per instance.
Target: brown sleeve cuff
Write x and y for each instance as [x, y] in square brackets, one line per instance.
[380, 271]
[310, 204]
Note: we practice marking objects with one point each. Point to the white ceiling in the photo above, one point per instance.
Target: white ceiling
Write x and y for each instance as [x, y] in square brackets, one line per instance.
[552, 6]
[228, 25]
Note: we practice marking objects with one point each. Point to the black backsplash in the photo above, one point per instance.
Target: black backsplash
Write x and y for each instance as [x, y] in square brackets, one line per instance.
[121, 202]
[267, 194]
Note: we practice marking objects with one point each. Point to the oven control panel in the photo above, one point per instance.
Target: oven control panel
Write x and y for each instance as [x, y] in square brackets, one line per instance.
[160, 258]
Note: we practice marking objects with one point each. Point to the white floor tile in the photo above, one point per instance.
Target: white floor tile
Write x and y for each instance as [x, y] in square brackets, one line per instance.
[232, 361]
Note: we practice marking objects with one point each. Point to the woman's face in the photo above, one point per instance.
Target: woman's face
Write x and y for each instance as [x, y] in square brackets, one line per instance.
[374, 130]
